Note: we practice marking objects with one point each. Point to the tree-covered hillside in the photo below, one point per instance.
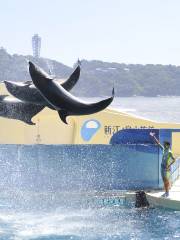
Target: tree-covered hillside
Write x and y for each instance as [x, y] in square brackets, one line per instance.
[98, 78]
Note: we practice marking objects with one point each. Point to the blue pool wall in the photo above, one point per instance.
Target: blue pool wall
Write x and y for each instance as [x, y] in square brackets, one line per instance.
[77, 167]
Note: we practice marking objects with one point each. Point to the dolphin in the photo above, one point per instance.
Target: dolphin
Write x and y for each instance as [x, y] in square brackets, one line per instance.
[27, 92]
[15, 109]
[61, 100]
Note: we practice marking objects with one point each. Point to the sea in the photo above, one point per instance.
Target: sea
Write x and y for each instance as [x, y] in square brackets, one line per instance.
[163, 109]
[74, 220]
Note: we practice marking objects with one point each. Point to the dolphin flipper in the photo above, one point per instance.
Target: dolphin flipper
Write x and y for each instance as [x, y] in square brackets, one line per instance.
[63, 114]
[33, 111]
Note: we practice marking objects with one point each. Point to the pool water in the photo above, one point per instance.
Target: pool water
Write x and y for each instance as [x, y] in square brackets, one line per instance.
[50, 217]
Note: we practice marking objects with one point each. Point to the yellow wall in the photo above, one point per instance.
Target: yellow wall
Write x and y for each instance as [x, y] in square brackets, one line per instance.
[114, 121]
[176, 144]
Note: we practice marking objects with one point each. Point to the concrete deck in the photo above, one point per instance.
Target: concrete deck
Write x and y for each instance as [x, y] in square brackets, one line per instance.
[172, 202]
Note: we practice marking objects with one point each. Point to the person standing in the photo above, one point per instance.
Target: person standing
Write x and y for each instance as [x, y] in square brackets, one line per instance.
[167, 160]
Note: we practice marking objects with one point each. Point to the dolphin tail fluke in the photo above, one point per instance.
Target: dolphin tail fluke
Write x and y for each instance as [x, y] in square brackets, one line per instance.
[63, 114]
[104, 103]
[110, 99]
[113, 92]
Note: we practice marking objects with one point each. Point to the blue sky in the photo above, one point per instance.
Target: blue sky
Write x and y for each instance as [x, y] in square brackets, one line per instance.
[129, 31]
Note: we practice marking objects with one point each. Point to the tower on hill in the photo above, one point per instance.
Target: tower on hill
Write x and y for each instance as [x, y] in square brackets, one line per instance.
[36, 45]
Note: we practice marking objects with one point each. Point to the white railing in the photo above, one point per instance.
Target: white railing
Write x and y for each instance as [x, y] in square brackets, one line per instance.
[175, 171]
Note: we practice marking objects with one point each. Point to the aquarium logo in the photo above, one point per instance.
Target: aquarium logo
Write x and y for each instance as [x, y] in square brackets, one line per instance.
[89, 129]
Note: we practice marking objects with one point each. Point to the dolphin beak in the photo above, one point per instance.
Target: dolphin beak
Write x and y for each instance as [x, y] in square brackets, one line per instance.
[37, 74]
[31, 66]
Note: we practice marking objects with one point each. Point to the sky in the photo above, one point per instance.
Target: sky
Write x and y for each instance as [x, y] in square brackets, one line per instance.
[123, 31]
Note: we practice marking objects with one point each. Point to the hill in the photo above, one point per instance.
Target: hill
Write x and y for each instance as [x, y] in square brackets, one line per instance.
[97, 77]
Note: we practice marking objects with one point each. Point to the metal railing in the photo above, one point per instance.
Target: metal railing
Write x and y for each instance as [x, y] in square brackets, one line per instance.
[175, 171]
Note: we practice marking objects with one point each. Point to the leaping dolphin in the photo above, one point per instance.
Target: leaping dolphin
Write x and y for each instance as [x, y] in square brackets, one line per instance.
[14, 109]
[27, 92]
[61, 100]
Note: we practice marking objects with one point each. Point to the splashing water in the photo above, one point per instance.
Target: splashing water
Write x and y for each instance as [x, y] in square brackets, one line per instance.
[109, 222]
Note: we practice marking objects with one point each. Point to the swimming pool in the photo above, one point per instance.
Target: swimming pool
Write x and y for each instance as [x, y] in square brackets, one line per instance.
[37, 200]
[65, 216]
